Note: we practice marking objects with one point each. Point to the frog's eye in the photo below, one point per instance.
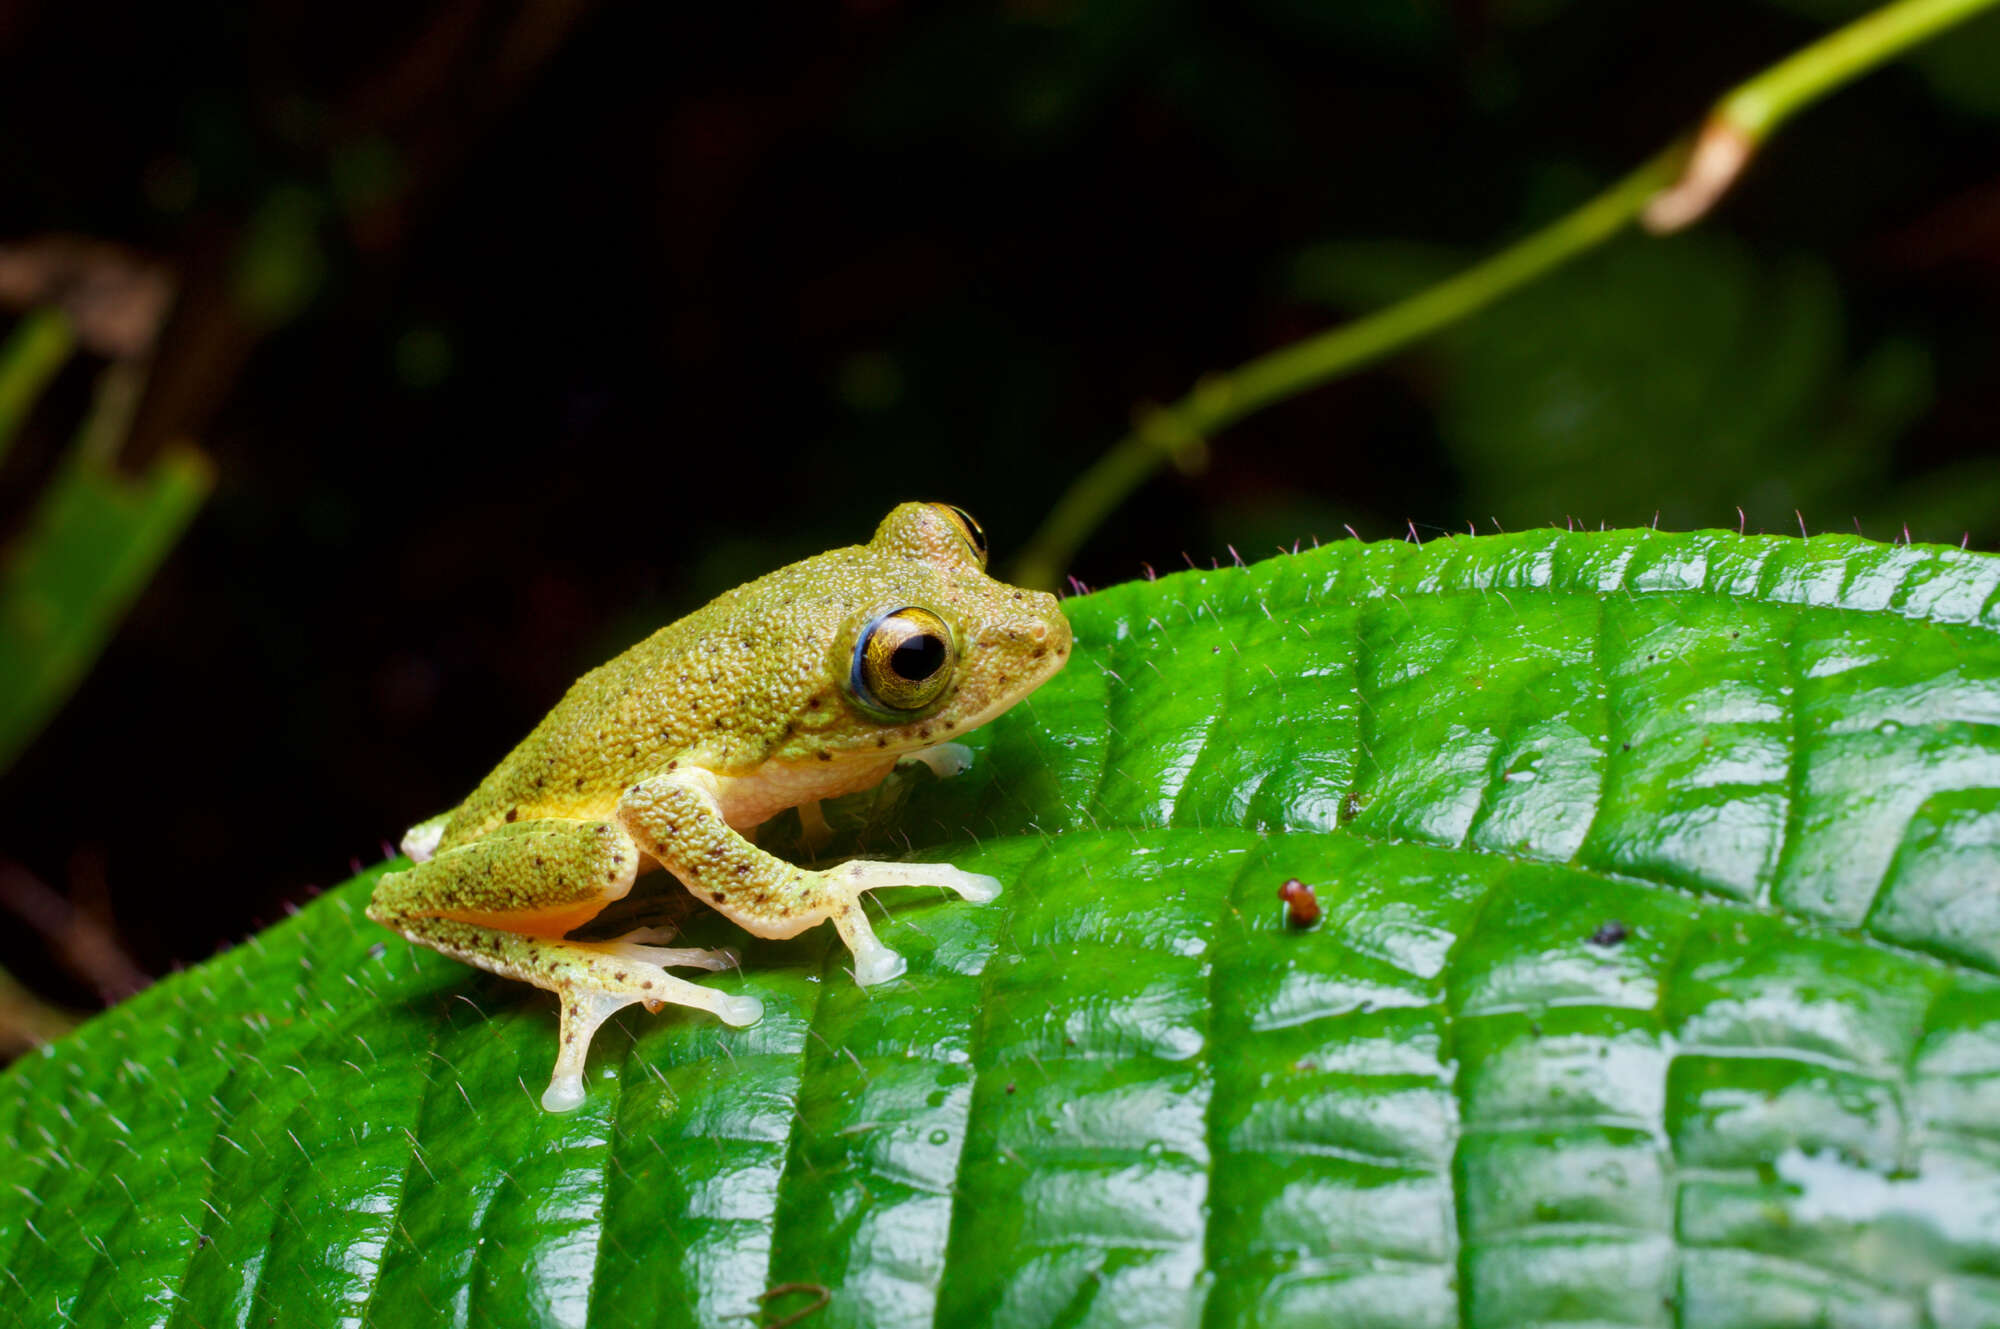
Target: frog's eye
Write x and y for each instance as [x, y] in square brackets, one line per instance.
[968, 528]
[902, 662]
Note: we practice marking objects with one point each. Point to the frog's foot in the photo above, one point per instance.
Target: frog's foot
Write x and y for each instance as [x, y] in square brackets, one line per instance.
[945, 760]
[641, 944]
[874, 962]
[813, 827]
[420, 842]
[624, 981]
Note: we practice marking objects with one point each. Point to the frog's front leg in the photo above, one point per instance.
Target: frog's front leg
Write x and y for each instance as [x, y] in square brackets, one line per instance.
[678, 819]
[503, 902]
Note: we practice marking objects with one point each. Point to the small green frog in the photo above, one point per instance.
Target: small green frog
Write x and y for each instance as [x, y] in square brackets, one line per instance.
[805, 684]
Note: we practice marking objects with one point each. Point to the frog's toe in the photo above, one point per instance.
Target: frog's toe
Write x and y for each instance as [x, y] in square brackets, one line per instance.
[671, 957]
[974, 887]
[564, 1094]
[945, 759]
[739, 1011]
[879, 965]
[583, 1012]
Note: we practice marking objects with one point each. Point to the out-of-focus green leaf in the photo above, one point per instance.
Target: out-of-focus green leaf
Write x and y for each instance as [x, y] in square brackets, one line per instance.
[95, 539]
[1655, 985]
[1683, 367]
[29, 358]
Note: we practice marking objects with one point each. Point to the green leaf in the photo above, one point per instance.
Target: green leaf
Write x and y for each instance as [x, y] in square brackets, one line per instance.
[92, 544]
[32, 354]
[1655, 984]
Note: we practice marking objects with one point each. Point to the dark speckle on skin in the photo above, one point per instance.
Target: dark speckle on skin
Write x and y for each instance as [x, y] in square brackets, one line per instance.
[513, 814]
[824, 755]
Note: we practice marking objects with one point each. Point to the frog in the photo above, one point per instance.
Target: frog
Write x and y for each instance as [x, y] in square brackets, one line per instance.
[811, 682]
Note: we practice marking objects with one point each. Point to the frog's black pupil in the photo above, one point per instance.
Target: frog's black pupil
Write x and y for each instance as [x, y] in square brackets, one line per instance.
[918, 657]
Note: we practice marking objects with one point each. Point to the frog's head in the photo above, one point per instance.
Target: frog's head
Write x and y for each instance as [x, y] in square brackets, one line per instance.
[935, 647]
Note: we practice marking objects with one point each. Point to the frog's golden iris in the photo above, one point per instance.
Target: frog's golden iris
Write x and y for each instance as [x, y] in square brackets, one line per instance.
[902, 662]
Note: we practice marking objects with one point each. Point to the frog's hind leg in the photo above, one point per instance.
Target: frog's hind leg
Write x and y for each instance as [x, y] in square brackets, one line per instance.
[676, 819]
[503, 903]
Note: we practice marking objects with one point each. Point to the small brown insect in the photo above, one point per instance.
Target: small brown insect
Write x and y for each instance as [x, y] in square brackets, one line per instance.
[1301, 905]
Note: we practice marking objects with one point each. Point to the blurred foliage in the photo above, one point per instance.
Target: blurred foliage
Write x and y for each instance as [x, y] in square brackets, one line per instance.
[94, 537]
[1675, 377]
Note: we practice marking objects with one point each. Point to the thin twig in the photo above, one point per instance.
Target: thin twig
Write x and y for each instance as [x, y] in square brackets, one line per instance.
[1671, 189]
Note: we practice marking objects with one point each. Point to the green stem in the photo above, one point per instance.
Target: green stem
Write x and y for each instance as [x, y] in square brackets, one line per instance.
[1220, 400]
[1740, 120]
[1771, 98]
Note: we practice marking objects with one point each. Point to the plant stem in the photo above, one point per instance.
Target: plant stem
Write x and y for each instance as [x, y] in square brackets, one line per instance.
[1697, 176]
[1767, 101]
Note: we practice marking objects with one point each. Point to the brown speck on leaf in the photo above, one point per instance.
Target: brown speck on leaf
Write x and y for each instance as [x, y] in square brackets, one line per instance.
[1612, 933]
[1301, 905]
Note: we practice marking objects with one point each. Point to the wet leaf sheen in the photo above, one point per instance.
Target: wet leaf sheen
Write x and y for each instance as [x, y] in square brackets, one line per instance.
[1654, 985]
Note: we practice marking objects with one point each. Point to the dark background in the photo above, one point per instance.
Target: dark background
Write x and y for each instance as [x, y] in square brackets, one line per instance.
[515, 330]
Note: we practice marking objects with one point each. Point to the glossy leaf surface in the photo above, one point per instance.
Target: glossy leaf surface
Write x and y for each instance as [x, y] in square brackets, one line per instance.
[1655, 985]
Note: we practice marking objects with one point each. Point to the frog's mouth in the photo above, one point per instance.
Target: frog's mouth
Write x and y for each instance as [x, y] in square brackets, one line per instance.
[1052, 641]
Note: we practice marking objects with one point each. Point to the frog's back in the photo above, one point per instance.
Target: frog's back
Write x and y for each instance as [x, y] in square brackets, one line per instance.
[707, 679]
[576, 760]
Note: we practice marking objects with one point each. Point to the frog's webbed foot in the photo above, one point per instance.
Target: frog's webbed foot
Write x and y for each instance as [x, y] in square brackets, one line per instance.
[587, 1005]
[874, 962]
[945, 760]
[505, 902]
[642, 944]
[677, 820]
